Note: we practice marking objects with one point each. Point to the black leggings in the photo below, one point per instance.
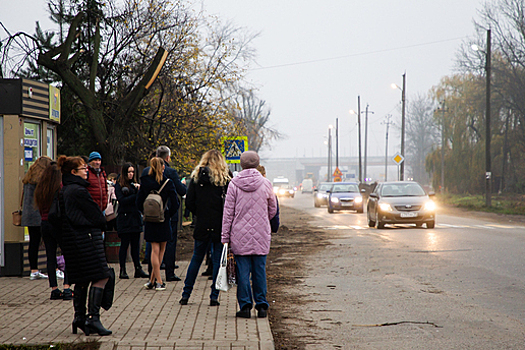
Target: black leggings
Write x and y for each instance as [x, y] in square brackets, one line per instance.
[125, 240]
[35, 236]
[51, 241]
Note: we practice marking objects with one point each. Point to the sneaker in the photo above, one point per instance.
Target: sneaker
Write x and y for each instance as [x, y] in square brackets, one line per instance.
[56, 294]
[60, 274]
[37, 275]
[159, 286]
[67, 294]
[149, 286]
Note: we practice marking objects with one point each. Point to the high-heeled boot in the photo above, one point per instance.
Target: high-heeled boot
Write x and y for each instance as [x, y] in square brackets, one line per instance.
[123, 274]
[79, 304]
[139, 272]
[93, 321]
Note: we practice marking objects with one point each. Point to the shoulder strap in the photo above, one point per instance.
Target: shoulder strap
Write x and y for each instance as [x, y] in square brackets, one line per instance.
[164, 184]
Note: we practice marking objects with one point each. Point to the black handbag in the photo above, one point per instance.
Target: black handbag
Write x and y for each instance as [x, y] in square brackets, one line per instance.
[109, 291]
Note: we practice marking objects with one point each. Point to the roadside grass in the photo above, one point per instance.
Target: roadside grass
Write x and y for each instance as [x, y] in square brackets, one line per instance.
[90, 345]
[509, 204]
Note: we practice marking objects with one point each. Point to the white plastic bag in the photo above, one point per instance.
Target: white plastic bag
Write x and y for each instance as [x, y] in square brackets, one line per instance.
[222, 277]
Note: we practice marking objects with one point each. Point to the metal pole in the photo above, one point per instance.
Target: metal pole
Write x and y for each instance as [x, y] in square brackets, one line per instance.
[443, 150]
[337, 143]
[402, 167]
[488, 173]
[386, 146]
[329, 176]
[366, 140]
[359, 127]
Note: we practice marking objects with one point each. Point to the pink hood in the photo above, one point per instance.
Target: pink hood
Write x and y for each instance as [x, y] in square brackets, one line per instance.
[249, 206]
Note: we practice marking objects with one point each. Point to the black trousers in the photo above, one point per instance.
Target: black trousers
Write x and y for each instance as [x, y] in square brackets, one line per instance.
[127, 239]
[52, 241]
[35, 236]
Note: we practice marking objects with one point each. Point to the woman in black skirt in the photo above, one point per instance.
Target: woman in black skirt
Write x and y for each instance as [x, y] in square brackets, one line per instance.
[157, 233]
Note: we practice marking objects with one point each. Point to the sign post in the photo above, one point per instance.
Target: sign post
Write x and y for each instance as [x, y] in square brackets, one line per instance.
[398, 159]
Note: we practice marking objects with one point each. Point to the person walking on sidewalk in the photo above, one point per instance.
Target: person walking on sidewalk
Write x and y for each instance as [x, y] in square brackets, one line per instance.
[129, 221]
[83, 246]
[249, 206]
[206, 192]
[46, 190]
[31, 216]
[157, 233]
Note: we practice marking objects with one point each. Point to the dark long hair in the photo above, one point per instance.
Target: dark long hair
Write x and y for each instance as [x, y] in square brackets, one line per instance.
[48, 185]
[124, 181]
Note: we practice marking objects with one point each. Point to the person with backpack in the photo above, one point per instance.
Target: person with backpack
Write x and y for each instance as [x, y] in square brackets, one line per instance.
[206, 192]
[155, 191]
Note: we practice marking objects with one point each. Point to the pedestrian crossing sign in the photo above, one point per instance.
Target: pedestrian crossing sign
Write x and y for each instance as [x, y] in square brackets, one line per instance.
[233, 147]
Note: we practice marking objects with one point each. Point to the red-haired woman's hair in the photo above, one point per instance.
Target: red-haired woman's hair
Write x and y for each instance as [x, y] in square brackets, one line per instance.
[48, 185]
[67, 164]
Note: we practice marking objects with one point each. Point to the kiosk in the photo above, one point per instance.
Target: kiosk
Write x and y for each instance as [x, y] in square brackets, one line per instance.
[29, 115]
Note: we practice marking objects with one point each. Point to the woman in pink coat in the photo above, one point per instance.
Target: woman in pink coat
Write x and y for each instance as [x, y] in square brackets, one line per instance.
[249, 206]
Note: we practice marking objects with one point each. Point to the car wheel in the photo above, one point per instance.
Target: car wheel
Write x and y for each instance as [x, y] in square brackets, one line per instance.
[330, 210]
[379, 223]
[371, 223]
[360, 211]
[418, 224]
[431, 224]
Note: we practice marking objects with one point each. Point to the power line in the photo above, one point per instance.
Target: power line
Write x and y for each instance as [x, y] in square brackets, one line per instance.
[357, 54]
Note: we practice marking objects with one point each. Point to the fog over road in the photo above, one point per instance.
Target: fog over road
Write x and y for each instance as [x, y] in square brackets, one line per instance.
[460, 285]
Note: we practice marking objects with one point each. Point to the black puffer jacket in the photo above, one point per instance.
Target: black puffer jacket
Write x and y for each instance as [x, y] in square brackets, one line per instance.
[205, 201]
[82, 226]
[129, 219]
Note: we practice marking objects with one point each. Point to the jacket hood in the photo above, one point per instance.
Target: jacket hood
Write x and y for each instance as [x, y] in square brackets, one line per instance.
[204, 175]
[248, 180]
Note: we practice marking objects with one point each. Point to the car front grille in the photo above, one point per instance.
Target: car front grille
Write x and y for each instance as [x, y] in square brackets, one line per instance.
[408, 207]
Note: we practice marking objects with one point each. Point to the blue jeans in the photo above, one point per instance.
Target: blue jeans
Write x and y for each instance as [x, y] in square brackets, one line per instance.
[200, 248]
[256, 266]
[171, 249]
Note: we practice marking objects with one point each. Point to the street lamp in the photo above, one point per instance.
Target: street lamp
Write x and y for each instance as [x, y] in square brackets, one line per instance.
[359, 133]
[402, 166]
[488, 173]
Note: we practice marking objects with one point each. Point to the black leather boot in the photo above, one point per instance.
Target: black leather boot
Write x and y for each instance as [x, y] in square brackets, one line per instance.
[123, 274]
[139, 272]
[93, 321]
[79, 304]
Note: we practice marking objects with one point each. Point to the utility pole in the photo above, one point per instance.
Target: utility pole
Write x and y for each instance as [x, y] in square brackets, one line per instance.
[359, 127]
[387, 122]
[329, 174]
[443, 149]
[402, 168]
[337, 143]
[488, 173]
[366, 138]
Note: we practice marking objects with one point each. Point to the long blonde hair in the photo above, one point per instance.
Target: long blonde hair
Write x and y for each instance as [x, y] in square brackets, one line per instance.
[215, 161]
[35, 171]
[156, 168]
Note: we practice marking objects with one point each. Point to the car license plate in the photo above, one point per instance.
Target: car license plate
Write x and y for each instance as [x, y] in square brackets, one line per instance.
[409, 215]
[346, 204]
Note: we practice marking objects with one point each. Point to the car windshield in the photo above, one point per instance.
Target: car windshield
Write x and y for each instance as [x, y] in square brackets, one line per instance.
[398, 190]
[345, 188]
[325, 187]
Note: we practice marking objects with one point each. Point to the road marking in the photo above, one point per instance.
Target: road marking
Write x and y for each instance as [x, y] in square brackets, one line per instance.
[501, 226]
[453, 226]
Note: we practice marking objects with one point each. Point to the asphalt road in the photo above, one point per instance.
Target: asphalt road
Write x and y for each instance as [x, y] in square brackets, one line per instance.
[460, 285]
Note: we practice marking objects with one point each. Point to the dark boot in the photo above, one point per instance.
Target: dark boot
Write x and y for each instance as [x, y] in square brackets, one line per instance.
[93, 321]
[79, 304]
[123, 274]
[139, 272]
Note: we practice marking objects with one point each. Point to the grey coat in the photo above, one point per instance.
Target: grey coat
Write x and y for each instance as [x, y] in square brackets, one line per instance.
[30, 214]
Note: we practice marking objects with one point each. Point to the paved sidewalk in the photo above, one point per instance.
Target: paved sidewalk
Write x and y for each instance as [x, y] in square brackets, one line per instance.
[139, 318]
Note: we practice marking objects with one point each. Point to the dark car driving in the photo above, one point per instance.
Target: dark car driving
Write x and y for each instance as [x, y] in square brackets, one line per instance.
[321, 194]
[401, 202]
[345, 196]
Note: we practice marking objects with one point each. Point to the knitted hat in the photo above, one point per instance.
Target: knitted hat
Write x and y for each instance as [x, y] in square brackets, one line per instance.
[249, 159]
[94, 155]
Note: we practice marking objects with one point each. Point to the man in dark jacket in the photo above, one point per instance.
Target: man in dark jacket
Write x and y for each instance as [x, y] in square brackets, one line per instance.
[98, 185]
[171, 247]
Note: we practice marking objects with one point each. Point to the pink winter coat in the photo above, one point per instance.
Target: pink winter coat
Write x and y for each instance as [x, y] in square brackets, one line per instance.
[249, 206]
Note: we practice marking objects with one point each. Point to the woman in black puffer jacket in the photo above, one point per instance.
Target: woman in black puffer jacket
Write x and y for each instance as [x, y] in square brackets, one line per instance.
[129, 221]
[83, 245]
[206, 192]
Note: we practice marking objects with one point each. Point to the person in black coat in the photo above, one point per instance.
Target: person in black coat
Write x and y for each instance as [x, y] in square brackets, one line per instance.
[82, 244]
[157, 233]
[205, 198]
[129, 221]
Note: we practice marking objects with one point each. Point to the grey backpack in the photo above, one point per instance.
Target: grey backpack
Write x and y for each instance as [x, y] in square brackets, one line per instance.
[153, 206]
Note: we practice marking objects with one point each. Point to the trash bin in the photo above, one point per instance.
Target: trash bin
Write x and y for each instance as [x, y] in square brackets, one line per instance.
[112, 245]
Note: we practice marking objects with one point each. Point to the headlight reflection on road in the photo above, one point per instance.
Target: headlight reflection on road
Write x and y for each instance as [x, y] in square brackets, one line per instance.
[432, 241]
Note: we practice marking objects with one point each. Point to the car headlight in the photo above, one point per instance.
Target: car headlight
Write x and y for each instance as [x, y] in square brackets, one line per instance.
[275, 190]
[358, 199]
[281, 191]
[291, 191]
[430, 206]
[385, 207]
[319, 195]
[334, 200]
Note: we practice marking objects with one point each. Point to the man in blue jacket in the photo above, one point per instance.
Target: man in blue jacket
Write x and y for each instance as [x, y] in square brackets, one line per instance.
[171, 247]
